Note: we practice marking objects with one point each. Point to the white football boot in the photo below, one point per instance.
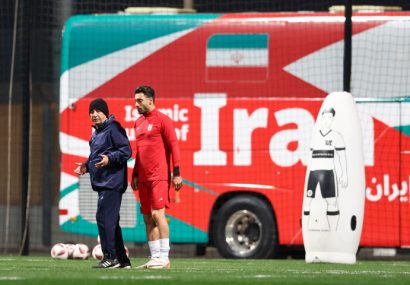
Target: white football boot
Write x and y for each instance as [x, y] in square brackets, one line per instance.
[156, 263]
[159, 263]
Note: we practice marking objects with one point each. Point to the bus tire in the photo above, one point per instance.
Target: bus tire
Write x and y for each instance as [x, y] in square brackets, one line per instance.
[245, 227]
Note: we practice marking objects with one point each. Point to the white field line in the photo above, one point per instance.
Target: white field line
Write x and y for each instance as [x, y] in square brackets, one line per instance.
[147, 277]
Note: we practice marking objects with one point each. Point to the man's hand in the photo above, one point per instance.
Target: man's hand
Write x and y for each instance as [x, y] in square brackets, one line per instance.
[134, 183]
[177, 181]
[81, 169]
[103, 162]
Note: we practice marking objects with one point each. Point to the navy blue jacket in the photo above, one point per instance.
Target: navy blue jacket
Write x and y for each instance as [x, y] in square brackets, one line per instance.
[109, 139]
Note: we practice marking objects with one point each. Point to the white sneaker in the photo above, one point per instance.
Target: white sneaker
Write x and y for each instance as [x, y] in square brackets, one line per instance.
[159, 263]
[156, 263]
[145, 265]
[152, 260]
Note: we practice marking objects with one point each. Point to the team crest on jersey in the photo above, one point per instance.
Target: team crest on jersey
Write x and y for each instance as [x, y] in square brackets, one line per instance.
[149, 127]
[328, 142]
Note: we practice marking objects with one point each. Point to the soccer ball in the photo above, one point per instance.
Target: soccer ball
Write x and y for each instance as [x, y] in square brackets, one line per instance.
[97, 252]
[81, 251]
[70, 249]
[59, 251]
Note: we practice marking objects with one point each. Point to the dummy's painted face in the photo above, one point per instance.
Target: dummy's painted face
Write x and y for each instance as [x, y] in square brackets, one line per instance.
[327, 120]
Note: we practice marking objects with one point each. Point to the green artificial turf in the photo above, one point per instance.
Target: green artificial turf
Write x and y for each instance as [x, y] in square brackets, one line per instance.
[44, 270]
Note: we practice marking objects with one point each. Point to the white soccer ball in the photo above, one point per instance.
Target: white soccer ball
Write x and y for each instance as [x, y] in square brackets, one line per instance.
[59, 251]
[70, 248]
[97, 252]
[81, 251]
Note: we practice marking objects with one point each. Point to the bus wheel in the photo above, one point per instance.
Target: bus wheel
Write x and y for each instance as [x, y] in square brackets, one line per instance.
[245, 228]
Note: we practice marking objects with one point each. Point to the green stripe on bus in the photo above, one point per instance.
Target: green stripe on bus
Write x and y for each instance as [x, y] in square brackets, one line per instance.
[87, 37]
[69, 189]
[404, 130]
[181, 232]
[238, 41]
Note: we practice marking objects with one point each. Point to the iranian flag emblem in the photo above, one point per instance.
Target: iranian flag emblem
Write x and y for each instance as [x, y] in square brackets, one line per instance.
[237, 57]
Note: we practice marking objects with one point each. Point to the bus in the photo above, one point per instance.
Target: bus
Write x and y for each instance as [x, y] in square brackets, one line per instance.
[243, 91]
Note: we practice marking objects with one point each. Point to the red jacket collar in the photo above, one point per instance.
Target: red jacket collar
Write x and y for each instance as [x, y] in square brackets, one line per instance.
[151, 113]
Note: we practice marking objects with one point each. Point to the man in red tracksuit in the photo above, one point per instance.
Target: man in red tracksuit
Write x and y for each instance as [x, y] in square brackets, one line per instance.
[155, 143]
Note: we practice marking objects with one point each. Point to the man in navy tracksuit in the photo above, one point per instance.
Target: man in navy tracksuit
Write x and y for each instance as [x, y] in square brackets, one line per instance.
[107, 165]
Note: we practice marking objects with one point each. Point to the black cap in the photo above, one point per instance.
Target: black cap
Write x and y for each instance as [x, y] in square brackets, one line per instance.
[99, 104]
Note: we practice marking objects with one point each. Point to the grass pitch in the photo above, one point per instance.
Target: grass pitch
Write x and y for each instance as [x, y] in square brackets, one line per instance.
[44, 270]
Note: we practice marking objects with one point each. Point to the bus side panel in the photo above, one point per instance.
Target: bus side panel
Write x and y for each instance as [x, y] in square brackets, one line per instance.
[243, 92]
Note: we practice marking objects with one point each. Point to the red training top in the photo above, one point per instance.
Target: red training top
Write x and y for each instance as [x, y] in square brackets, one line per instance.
[156, 140]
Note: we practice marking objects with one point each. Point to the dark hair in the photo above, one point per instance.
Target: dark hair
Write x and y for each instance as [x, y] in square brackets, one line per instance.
[329, 110]
[147, 91]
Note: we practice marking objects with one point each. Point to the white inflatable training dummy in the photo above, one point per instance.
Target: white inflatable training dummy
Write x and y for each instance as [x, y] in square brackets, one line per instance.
[334, 194]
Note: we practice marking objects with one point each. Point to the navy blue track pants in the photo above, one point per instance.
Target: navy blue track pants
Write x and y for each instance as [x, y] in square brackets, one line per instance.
[108, 221]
